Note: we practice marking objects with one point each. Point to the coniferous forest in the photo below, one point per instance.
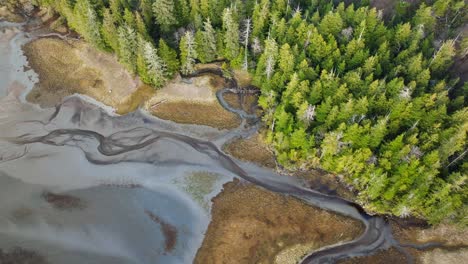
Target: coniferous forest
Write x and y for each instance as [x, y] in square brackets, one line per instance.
[344, 87]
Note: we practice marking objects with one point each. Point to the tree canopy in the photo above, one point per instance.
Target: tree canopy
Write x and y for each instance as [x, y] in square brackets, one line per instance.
[342, 88]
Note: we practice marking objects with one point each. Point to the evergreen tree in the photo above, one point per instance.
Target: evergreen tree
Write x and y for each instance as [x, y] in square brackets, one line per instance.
[164, 13]
[332, 23]
[267, 62]
[443, 57]
[155, 67]
[231, 35]
[188, 53]
[208, 47]
[169, 56]
[109, 31]
[116, 8]
[87, 23]
[129, 18]
[127, 47]
[141, 26]
[146, 7]
[260, 17]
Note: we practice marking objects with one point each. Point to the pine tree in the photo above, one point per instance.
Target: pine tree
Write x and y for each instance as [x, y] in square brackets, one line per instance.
[116, 8]
[267, 62]
[129, 18]
[188, 53]
[165, 14]
[87, 23]
[205, 8]
[141, 67]
[109, 31]
[332, 23]
[443, 57]
[209, 41]
[260, 17]
[169, 56]
[231, 35]
[141, 26]
[195, 15]
[127, 47]
[286, 61]
[423, 17]
[147, 12]
[155, 66]
[182, 12]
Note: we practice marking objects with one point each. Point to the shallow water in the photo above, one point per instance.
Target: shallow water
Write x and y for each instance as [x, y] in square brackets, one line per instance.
[114, 226]
[130, 175]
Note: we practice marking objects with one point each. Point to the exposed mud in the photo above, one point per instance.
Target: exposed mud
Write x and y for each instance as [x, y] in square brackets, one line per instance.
[253, 225]
[169, 231]
[275, 227]
[254, 149]
[63, 201]
[21, 256]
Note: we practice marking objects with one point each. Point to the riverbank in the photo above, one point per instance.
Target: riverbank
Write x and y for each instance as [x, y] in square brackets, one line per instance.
[176, 105]
[66, 67]
[252, 225]
[288, 242]
[193, 101]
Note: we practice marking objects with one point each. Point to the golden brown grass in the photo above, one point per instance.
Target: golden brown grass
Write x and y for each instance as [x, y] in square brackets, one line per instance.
[67, 68]
[213, 115]
[252, 225]
[251, 149]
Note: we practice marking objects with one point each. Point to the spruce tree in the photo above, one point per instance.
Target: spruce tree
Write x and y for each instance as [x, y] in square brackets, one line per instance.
[260, 17]
[231, 35]
[87, 23]
[128, 47]
[109, 31]
[164, 12]
[155, 66]
[169, 56]
[209, 41]
[188, 53]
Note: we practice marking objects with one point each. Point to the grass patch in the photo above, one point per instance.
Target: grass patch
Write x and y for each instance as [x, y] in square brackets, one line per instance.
[187, 112]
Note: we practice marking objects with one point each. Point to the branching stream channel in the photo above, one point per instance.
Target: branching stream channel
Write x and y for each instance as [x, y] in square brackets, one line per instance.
[80, 184]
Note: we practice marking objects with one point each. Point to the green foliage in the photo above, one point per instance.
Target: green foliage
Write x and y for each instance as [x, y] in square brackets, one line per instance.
[127, 47]
[86, 22]
[169, 56]
[188, 53]
[342, 89]
[155, 66]
[164, 13]
[231, 35]
[206, 42]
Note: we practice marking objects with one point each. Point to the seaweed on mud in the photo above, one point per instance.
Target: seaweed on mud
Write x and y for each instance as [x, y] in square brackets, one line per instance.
[63, 201]
[169, 231]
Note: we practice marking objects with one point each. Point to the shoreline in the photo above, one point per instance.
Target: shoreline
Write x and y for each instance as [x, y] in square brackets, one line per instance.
[99, 101]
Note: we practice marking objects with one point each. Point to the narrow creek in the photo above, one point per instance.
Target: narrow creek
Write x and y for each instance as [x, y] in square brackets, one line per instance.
[125, 179]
